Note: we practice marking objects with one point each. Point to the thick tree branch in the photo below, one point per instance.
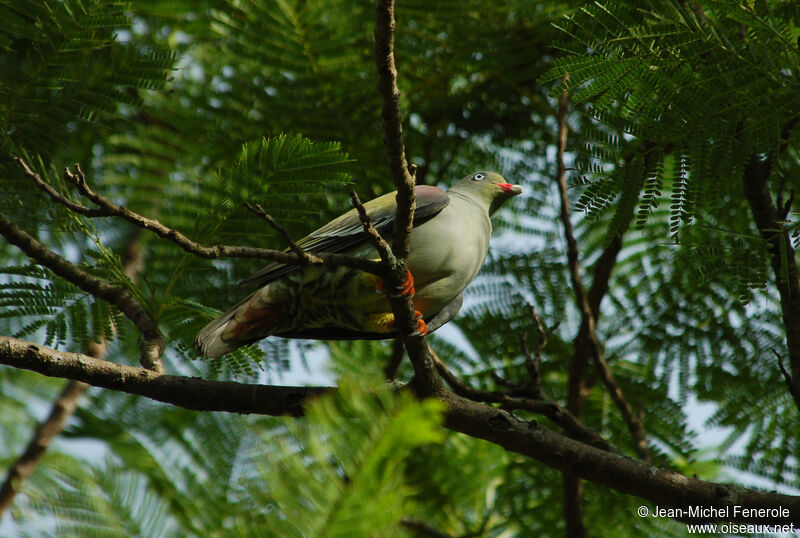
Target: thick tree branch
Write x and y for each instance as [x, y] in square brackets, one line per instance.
[151, 345]
[529, 438]
[768, 219]
[106, 208]
[582, 300]
[188, 392]
[662, 487]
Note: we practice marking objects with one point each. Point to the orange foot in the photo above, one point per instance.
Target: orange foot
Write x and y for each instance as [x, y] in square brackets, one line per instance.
[406, 289]
[422, 327]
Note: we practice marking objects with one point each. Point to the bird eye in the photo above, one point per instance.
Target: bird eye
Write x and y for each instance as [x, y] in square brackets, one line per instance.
[479, 177]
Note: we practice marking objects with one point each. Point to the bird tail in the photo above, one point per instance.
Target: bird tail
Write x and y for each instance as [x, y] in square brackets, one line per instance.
[243, 324]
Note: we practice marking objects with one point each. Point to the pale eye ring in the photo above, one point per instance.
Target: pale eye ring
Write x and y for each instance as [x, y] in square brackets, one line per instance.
[480, 176]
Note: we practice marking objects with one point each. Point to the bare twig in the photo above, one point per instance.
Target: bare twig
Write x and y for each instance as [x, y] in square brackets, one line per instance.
[532, 363]
[788, 378]
[541, 406]
[55, 195]
[395, 359]
[107, 208]
[426, 380]
[307, 257]
[783, 258]
[23, 467]
[633, 422]
[375, 238]
[393, 125]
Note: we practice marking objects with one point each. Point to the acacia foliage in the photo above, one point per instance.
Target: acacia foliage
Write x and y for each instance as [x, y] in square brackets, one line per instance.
[185, 110]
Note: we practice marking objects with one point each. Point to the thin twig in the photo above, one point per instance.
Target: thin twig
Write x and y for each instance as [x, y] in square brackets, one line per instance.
[783, 258]
[375, 238]
[55, 195]
[426, 381]
[307, 257]
[108, 208]
[393, 125]
[541, 406]
[395, 359]
[628, 415]
[63, 408]
[532, 363]
[788, 378]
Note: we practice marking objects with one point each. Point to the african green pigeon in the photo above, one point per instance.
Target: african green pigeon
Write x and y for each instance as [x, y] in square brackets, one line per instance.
[447, 247]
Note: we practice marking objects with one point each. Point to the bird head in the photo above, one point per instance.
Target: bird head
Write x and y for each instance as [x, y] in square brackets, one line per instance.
[487, 189]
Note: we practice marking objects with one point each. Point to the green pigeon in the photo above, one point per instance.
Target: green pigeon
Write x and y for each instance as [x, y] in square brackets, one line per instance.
[448, 246]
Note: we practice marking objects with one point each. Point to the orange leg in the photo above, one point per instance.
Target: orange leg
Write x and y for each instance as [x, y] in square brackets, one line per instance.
[385, 322]
[406, 289]
[422, 327]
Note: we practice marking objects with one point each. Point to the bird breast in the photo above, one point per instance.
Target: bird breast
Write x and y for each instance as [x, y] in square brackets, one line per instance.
[447, 252]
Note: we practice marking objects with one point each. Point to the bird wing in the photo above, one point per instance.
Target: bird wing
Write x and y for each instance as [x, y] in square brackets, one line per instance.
[347, 231]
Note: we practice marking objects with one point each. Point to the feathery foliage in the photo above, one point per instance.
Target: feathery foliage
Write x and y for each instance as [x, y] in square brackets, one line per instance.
[185, 110]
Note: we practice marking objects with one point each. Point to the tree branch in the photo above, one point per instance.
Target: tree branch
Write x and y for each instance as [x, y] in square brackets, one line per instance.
[306, 257]
[541, 406]
[787, 377]
[106, 208]
[581, 298]
[63, 408]
[426, 380]
[782, 258]
[387, 256]
[393, 364]
[662, 487]
[55, 195]
[151, 345]
[188, 392]
[393, 125]
[529, 438]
